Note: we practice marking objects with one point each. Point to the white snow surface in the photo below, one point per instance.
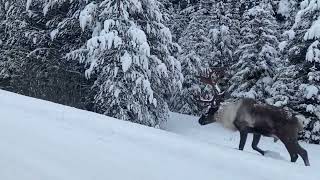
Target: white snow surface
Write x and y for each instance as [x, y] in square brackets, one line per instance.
[28, 4]
[284, 8]
[53, 34]
[86, 15]
[309, 91]
[42, 140]
[126, 61]
[314, 31]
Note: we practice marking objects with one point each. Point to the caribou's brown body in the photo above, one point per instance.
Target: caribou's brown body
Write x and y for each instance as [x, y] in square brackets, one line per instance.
[249, 116]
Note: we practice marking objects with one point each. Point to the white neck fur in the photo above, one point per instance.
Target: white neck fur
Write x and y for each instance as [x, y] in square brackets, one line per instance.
[227, 114]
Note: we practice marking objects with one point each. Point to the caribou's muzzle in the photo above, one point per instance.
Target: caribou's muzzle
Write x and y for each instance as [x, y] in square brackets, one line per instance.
[204, 120]
[208, 117]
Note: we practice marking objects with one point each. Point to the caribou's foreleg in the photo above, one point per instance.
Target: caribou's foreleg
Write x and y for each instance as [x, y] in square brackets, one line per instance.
[244, 130]
[243, 139]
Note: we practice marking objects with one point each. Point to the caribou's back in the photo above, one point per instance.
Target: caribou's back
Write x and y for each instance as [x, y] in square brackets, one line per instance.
[267, 119]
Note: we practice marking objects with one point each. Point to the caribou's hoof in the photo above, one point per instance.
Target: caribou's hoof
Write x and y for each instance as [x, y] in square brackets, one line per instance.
[307, 163]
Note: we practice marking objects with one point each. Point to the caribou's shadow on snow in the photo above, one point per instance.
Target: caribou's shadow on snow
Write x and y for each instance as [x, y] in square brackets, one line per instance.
[274, 155]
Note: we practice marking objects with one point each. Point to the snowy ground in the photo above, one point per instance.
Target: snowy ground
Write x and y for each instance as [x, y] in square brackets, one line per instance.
[40, 140]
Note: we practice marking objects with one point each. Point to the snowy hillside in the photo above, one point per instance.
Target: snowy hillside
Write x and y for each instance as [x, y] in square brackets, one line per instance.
[40, 140]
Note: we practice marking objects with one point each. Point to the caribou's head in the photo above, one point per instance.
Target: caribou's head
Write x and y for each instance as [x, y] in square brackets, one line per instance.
[209, 116]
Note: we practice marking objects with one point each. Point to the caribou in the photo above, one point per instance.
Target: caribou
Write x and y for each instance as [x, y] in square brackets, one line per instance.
[250, 116]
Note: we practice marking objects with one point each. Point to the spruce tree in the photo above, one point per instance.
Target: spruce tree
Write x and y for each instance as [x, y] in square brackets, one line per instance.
[300, 87]
[32, 59]
[131, 55]
[197, 57]
[257, 53]
[207, 42]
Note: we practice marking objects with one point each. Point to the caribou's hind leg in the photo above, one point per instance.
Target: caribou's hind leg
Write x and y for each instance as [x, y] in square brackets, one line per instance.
[303, 153]
[294, 157]
[295, 149]
[255, 141]
[292, 150]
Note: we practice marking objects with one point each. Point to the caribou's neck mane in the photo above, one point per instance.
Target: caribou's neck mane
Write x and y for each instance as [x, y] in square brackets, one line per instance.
[227, 113]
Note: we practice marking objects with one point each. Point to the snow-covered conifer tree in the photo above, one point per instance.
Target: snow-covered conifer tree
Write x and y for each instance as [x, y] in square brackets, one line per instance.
[196, 57]
[300, 91]
[13, 43]
[208, 41]
[257, 53]
[130, 53]
[31, 59]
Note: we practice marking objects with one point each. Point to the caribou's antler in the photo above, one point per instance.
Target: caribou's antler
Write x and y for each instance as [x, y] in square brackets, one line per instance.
[201, 100]
[219, 73]
[207, 80]
[213, 81]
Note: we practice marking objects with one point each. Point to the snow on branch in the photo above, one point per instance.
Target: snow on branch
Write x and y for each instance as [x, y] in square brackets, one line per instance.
[87, 15]
[314, 31]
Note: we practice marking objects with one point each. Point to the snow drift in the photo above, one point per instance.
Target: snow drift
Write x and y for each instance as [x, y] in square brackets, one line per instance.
[40, 140]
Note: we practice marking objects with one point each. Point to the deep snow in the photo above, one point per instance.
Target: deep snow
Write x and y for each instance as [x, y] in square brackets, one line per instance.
[40, 140]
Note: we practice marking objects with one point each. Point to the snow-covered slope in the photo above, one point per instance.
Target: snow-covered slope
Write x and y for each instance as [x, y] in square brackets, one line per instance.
[214, 134]
[40, 140]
